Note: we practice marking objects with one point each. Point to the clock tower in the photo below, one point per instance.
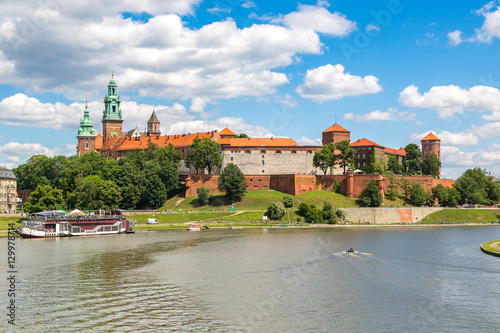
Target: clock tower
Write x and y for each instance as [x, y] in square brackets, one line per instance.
[112, 114]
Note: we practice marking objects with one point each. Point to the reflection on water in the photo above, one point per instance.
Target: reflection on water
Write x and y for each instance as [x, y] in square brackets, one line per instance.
[300, 280]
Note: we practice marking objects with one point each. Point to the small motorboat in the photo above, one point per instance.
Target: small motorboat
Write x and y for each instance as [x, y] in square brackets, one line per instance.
[349, 250]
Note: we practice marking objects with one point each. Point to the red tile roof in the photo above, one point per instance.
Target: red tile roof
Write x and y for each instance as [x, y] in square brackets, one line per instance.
[258, 142]
[98, 141]
[365, 142]
[400, 152]
[227, 131]
[127, 144]
[336, 128]
[431, 136]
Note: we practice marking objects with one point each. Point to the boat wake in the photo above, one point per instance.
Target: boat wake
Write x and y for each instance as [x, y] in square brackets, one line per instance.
[350, 253]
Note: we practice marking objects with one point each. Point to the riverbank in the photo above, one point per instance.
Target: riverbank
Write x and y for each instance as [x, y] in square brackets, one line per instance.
[491, 247]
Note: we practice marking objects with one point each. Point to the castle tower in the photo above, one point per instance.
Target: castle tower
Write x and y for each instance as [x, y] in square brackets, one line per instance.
[153, 125]
[86, 134]
[112, 114]
[335, 133]
[431, 144]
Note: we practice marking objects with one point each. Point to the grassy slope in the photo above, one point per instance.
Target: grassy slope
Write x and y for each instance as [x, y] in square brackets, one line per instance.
[462, 215]
[258, 200]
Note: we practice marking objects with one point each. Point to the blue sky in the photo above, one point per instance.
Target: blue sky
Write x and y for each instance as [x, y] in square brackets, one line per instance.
[389, 71]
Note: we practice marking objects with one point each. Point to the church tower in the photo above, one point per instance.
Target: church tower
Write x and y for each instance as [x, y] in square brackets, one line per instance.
[153, 125]
[86, 134]
[112, 114]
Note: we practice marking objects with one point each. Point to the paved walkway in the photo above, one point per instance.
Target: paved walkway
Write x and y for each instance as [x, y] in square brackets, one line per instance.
[495, 245]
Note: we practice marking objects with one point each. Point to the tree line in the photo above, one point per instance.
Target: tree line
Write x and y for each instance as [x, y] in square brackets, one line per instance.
[141, 179]
[411, 165]
[473, 187]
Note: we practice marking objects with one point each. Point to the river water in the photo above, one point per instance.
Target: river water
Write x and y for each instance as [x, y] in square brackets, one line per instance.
[428, 279]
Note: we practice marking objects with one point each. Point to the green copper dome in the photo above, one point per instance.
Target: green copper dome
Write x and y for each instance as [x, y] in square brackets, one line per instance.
[112, 102]
[86, 125]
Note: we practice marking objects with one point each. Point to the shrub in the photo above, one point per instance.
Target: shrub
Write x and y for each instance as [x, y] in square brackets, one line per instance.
[203, 195]
[288, 202]
[328, 214]
[276, 210]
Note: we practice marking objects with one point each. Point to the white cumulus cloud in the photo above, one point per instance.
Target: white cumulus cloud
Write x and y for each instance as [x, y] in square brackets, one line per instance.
[391, 114]
[449, 138]
[318, 19]
[451, 100]
[491, 25]
[454, 37]
[330, 82]
[237, 125]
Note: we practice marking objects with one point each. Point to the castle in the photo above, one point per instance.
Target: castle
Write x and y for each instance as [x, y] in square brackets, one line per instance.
[254, 156]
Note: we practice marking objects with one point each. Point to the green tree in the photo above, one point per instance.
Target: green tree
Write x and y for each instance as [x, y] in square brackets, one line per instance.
[325, 157]
[288, 201]
[232, 182]
[203, 195]
[476, 186]
[92, 192]
[328, 214]
[431, 165]
[346, 155]
[275, 210]
[394, 165]
[413, 160]
[36, 171]
[370, 196]
[405, 185]
[44, 197]
[446, 196]
[392, 191]
[418, 195]
[204, 154]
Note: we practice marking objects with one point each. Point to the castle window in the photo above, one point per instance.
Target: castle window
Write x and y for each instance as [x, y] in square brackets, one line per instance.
[262, 171]
[294, 152]
[113, 91]
[425, 153]
[86, 145]
[262, 162]
[262, 152]
[278, 152]
[231, 159]
[247, 152]
[309, 152]
[114, 108]
[427, 147]
[262, 156]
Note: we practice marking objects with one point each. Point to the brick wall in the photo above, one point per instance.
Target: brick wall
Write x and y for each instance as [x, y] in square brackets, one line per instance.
[297, 184]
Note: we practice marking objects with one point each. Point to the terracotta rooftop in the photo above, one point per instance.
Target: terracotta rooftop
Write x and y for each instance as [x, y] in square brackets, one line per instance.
[431, 136]
[179, 140]
[400, 152]
[98, 141]
[365, 142]
[336, 128]
[258, 142]
[227, 131]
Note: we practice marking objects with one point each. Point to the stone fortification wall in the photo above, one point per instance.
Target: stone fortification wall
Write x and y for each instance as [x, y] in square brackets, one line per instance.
[350, 185]
[397, 215]
[275, 161]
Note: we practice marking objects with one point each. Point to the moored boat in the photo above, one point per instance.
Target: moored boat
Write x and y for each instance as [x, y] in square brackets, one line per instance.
[45, 225]
[194, 227]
